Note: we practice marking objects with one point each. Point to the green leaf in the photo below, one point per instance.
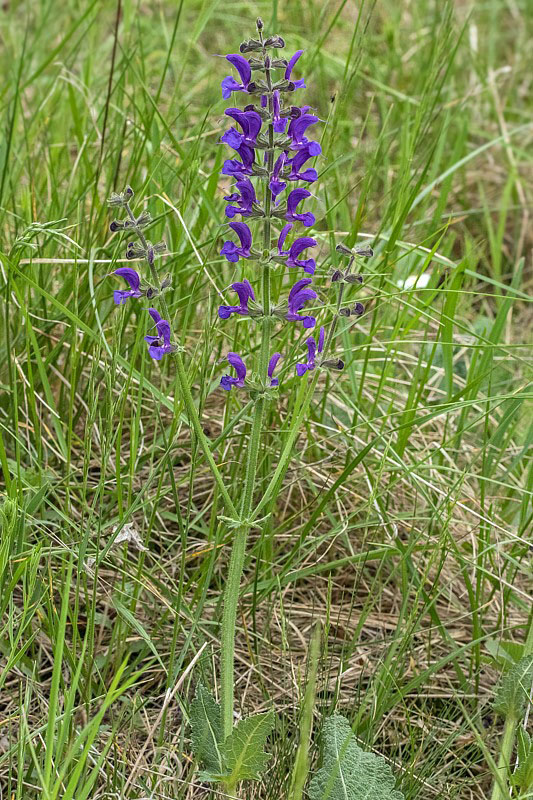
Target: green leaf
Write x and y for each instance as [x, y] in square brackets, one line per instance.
[348, 772]
[515, 689]
[522, 777]
[244, 756]
[206, 735]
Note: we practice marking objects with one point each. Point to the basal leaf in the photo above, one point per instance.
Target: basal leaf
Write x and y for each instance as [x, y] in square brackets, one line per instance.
[515, 689]
[244, 756]
[206, 735]
[522, 777]
[348, 772]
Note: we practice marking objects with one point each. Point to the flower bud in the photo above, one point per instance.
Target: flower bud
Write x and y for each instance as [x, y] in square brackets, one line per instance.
[353, 278]
[275, 41]
[332, 363]
[259, 24]
[337, 275]
[341, 248]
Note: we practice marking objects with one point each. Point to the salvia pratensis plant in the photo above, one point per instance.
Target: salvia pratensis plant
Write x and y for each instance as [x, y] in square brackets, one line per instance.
[270, 137]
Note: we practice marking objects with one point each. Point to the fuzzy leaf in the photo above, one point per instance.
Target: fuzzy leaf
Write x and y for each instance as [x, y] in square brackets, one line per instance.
[244, 756]
[515, 689]
[348, 772]
[522, 777]
[206, 735]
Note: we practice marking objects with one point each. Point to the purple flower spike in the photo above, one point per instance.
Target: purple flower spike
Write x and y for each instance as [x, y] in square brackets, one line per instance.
[134, 282]
[308, 265]
[281, 241]
[300, 84]
[298, 297]
[159, 345]
[237, 363]
[245, 199]
[312, 351]
[245, 293]
[250, 122]
[277, 186]
[299, 160]
[299, 140]
[230, 250]
[229, 84]
[293, 200]
[278, 122]
[271, 367]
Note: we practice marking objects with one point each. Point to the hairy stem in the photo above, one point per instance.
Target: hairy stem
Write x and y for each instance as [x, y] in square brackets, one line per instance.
[238, 553]
[500, 790]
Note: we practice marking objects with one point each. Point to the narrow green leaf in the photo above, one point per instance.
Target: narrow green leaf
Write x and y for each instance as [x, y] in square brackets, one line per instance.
[126, 614]
[348, 772]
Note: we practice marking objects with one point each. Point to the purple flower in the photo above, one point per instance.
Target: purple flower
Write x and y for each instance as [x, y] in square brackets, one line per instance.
[300, 84]
[250, 122]
[229, 84]
[233, 167]
[245, 199]
[312, 350]
[299, 140]
[308, 265]
[134, 282]
[160, 344]
[293, 200]
[277, 186]
[230, 250]
[297, 163]
[298, 297]
[271, 367]
[238, 364]
[238, 169]
[278, 122]
[245, 293]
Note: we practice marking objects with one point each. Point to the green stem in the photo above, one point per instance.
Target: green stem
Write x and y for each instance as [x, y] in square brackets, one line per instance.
[500, 789]
[238, 552]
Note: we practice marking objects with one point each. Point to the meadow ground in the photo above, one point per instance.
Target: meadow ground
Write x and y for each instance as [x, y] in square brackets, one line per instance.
[404, 522]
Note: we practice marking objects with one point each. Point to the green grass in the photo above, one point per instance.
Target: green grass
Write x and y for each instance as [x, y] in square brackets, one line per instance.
[404, 522]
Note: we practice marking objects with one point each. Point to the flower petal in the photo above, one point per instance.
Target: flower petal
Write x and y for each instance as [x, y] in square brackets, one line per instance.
[272, 363]
[298, 286]
[131, 277]
[244, 291]
[156, 316]
[290, 65]
[295, 198]
[283, 235]
[238, 365]
[301, 244]
[242, 66]
[232, 138]
[243, 232]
